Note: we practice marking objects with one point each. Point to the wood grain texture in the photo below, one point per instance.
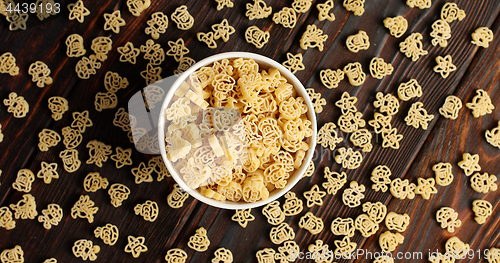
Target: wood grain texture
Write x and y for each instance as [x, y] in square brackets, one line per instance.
[444, 140]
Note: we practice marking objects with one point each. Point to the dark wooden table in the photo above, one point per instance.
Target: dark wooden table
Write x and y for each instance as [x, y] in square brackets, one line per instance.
[444, 141]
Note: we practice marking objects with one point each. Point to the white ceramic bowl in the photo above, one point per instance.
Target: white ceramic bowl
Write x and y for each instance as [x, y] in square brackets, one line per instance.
[266, 63]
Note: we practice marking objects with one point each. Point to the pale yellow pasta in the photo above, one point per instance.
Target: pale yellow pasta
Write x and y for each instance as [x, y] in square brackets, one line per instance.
[177, 197]
[380, 178]
[122, 157]
[135, 246]
[397, 25]
[98, 152]
[355, 6]
[182, 18]
[13, 255]
[412, 46]
[287, 17]
[316, 99]
[24, 180]
[48, 138]
[314, 196]
[483, 183]
[17, 20]
[426, 187]
[223, 30]
[379, 68]
[452, 105]
[343, 227]
[17, 105]
[108, 233]
[418, 117]
[137, 6]
[58, 106]
[441, 32]
[301, 6]
[448, 219]
[344, 247]
[151, 74]
[176, 255]
[81, 121]
[48, 172]
[199, 241]
[256, 36]
[223, 255]
[243, 216]
[281, 233]
[481, 104]
[113, 21]
[443, 172]
[74, 44]
[258, 10]
[353, 195]
[293, 205]
[355, 74]
[6, 218]
[177, 49]
[40, 74]
[85, 249]
[493, 136]
[422, 4]
[273, 213]
[313, 37]
[142, 173]
[402, 189]
[51, 216]
[381, 123]
[118, 193]
[397, 222]
[87, 66]
[482, 210]
[482, 37]
[84, 208]
[456, 248]
[331, 78]
[450, 12]
[376, 211]
[470, 163]
[311, 223]
[348, 158]
[391, 138]
[334, 184]
[25, 208]
[78, 11]
[444, 66]
[357, 42]
[148, 210]
[389, 241]
[128, 53]
[224, 3]
[8, 64]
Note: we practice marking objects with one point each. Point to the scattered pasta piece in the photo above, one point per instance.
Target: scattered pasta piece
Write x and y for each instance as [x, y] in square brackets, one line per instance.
[386, 103]
[24, 180]
[441, 32]
[258, 10]
[101, 46]
[452, 105]
[381, 123]
[391, 138]
[417, 116]
[8, 64]
[71, 138]
[389, 241]
[87, 67]
[48, 171]
[6, 218]
[492, 136]
[286, 17]
[314, 196]
[256, 36]
[353, 195]
[40, 74]
[365, 225]
[51, 216]
[224, 3]
[311, 223]
[313, 37]
[74, 46]
[1, 134]
[324, 11]
[108, 233]
[142, 173]
[320, 252]
[148, 210]
[482, 210]
[50, 260]
[426, 187]
[316, 99]
[273, 213]
[450, 12]
[151, 74]
[344, 247]
[207, 38]
[25, 208]
[483, 183]
[48, 138]
[379, 68]
[122, 157]
[70, 160]
[348, 158]
[343, 227]
[13, 255]
[85, 249]
[177, 49]
[182, 18]
[84, 208]
[223, 255]
[480, 105]
[287, 252]
[412, 47]
[113, 21]
[397, 25]
[281, 233]
[17, 20]
[355, 74]
[333, 184]
[17, 105]
[159, 167]
[135, 246]
[78, 11]
[383, 259]
[310, 170]
[294, 62]
[223, 30]
[397, 222]
[184, 64]
[493, 255]
[448, 219]
[380, 178]
[98, 152]
[470, 163]
[456, 248]
[199, 241]
[444, 66]
[128, 53]
[154, 53]
[443, 172]
[422, 4]
[137, 6]
[243, 217]
[331, 78]
[301, 6]
[357, 42]
[177, 197]
[293, 205]
[375, 211]
[58, 106]
[118, 193]
[355, 6]
[402, 189]
[482, 37]
[176, 255]
[81, 121]
[347, 103]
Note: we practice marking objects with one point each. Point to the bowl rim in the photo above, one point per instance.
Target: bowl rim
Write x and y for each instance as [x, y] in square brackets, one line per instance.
[294, 178]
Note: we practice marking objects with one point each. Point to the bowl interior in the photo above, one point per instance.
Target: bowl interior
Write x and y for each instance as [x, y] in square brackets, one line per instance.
[264, 63]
